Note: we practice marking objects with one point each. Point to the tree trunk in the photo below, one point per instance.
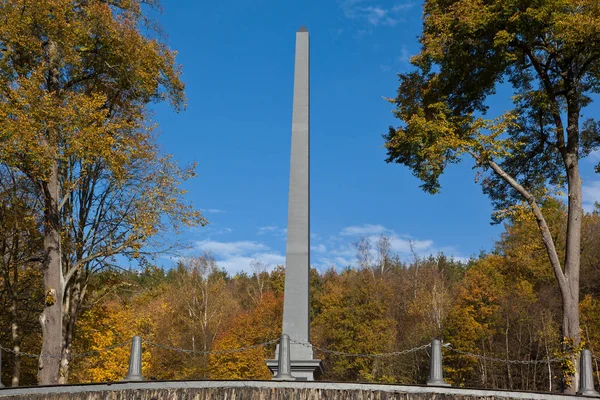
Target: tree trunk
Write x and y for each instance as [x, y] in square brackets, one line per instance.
[51, 317]
[72, 308]
[508, 372]
[573, 340]
[205, 327]
[16, 339]
[63, 376]
[568, 280]
[570, 297]
[11, 265]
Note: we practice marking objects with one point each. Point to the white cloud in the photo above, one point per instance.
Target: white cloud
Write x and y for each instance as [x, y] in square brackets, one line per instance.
[212, 211]
[402, 7]
[237, 264]
[362, 230]
[230, 248]
[320, 248]
[337, 250]
[340, 254]
[594, 155]
[272, 229]
[591, 194]
[373, 15]
[377, 16]
[344, 250]
[324, 263]
[402, 245]
[404, 56]
[272, 258]
[266, 229]
[340, 250]
[348, 7]
[237, 256]
[210, 230]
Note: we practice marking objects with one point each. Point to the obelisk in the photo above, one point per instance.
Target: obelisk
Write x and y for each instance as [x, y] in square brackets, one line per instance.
[296, 322]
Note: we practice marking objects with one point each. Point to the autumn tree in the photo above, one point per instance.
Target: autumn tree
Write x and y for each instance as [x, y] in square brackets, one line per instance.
[260, 278]
[20, 252]
[549, 52]
[379, 259]
[113, 321]
[203, 305]
[473, 321]
[260, 325]
[590, 254]
[420, 309]
[355, 317]
[502, 306]
[76, 79]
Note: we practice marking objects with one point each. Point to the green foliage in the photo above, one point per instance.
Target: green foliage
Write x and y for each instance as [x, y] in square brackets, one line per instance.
[549, 52]
[355, 318]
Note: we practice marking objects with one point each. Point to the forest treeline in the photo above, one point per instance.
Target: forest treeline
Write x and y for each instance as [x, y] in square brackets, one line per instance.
[503, 304]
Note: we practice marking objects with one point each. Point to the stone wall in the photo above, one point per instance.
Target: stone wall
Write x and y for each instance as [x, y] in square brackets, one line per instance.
[262, 390]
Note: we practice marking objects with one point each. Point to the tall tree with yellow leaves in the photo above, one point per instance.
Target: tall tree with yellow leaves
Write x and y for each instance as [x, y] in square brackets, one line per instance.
[355, 317]
[203, 306]
[260, 325]
[76, 78]
[550, 52]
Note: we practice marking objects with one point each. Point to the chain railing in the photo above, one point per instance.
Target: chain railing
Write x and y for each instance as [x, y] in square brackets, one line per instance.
[362, 355]
[426, 346]
[274, 341]
[503, 360]
[211, 352]
[436, 371]
[118, 345]
[71, 356]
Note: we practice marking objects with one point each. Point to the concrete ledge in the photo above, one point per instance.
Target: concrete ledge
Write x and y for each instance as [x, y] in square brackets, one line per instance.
[301, 369]
[175, 390]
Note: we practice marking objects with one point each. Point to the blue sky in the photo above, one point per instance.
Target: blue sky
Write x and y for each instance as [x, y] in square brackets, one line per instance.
[237, 58]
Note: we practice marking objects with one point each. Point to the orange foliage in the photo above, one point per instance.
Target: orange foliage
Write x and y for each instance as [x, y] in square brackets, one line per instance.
[259, 325]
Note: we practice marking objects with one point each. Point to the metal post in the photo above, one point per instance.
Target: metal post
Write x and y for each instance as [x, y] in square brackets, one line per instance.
[284, 367]
[586, 375]
[436, 374]
[135, 360]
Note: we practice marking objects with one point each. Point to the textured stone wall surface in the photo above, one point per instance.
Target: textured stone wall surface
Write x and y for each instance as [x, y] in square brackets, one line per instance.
[247, 394]
[263, 390]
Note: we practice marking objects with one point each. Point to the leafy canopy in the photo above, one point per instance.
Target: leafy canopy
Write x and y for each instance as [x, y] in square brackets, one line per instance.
[76, 79]
[548, 50]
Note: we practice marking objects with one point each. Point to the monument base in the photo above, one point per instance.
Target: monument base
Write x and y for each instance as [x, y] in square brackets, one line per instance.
[302, 370]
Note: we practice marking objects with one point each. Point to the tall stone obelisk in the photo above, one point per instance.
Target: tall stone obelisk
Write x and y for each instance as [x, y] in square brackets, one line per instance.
[296, 322]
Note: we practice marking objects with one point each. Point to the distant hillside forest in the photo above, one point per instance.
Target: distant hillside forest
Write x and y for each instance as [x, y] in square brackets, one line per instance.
[503, 305]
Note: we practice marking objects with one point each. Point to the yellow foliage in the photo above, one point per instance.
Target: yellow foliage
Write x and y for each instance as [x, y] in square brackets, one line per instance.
[355, 317]
[258, 326]
[101, 327]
